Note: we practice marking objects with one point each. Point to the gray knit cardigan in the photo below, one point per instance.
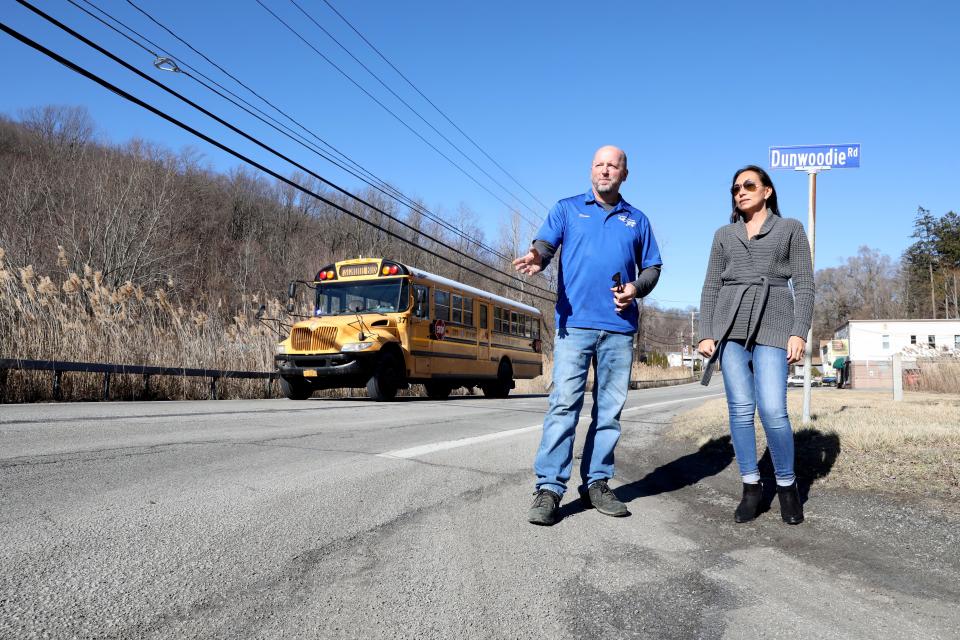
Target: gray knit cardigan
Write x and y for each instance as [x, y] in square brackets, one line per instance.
[779, 252]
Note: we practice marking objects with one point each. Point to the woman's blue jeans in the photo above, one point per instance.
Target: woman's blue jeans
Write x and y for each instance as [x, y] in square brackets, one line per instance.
[756, 378]
[573, 352]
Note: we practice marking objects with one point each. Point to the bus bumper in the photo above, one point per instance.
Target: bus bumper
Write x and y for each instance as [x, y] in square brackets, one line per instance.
[323, 366]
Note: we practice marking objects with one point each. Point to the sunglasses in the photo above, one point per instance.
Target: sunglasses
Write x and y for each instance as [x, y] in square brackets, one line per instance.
[749, 185]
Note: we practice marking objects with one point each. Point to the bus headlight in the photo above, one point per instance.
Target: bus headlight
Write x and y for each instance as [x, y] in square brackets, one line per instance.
[356, 346]
[281, 348]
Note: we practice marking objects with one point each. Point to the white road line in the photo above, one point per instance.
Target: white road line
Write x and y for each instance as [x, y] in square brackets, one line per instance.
[415, 452]
[657, 404]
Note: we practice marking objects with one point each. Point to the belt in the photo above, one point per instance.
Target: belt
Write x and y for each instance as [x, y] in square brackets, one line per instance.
[744, 284]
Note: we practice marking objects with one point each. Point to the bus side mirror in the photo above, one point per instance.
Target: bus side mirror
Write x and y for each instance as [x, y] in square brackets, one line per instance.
[262, 310]
[420, 295]
[291, 294]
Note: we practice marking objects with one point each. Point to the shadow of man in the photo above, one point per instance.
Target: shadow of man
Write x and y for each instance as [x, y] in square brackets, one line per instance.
[710, 459]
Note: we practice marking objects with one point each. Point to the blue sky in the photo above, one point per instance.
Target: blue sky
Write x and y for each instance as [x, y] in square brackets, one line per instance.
[690, 90]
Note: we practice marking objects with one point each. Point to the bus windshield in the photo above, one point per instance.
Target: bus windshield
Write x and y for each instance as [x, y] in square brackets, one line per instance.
[365, 296]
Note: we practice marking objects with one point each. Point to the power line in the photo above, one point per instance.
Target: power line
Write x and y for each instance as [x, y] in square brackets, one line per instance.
[127, 96]
[373, 181]
[390, 111]
[406, 104]
[367, 178]
[430, 102]
[325, 181]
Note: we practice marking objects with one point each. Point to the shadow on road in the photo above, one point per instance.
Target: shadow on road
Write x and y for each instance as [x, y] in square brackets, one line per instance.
[710, 459]
[816, 453]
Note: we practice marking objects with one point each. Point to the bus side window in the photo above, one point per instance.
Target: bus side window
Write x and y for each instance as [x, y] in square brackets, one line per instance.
[514, 325]
[468, 312]
[441, 305]
[421, 301]
[497, 321]
[456, 308]
[483, 315]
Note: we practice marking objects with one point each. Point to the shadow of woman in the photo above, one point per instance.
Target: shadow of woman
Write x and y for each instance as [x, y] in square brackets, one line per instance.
[816, 453]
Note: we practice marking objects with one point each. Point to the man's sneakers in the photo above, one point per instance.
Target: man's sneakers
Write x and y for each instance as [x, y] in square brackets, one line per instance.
[599, 496]
[545, 509]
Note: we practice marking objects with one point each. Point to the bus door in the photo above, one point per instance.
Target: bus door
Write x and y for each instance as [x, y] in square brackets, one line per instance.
[420, 330]
[483, 332]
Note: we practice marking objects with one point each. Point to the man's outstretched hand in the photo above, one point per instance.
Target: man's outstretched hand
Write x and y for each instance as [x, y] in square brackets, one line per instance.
[529, 264]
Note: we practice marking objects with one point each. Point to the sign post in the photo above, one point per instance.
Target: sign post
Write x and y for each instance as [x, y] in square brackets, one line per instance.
[813, 159]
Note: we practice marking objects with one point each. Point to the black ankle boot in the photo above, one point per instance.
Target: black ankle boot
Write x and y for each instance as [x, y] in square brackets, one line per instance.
[749, 503]
[791, 510]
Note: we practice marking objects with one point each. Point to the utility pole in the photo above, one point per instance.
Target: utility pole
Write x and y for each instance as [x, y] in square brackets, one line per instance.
[812, 239]
[692, 343]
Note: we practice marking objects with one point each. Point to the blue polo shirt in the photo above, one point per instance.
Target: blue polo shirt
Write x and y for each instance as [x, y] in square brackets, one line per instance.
[595, 244]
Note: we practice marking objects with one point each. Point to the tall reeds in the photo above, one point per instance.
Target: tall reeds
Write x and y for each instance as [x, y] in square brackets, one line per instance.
[79, 317]
[937, 375]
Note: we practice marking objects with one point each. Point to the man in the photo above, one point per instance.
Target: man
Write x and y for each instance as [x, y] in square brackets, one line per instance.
[604, 240]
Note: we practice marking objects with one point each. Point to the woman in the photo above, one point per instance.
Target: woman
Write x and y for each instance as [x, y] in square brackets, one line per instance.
[756, 327]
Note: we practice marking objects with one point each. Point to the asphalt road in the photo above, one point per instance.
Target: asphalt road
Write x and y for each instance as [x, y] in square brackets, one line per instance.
[354, 519]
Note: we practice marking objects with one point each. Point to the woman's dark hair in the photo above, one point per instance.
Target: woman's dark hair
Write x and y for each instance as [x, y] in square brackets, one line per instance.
[765, 181]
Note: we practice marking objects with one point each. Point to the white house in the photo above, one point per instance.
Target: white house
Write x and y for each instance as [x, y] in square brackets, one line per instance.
[873, 342]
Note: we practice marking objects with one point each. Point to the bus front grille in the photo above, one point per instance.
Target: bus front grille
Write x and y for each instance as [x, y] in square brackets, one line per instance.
[320, 339]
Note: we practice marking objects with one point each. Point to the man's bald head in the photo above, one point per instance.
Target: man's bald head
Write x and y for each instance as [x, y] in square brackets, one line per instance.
[607, 173]
[608, 151]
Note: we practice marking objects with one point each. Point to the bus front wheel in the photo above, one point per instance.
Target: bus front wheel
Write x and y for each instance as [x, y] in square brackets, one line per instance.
[296, 388]
[383, 384]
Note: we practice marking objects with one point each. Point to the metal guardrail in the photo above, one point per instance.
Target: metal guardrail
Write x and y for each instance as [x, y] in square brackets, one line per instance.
[59, 368]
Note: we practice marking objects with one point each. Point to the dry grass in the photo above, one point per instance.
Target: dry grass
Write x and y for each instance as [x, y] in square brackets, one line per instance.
[938, 375]
[862, 440]
[79, 317]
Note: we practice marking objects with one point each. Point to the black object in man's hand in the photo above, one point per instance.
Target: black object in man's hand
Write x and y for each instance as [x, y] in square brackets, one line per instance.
[617, 282]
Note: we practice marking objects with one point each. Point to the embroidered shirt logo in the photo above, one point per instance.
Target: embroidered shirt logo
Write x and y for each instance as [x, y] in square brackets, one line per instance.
[627, 221]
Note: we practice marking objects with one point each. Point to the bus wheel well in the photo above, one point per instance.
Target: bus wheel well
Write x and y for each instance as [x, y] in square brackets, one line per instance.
[389, 374]
[504, 382]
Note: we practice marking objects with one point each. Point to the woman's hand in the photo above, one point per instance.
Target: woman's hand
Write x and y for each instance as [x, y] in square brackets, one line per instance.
[795, 349]
[706, 347]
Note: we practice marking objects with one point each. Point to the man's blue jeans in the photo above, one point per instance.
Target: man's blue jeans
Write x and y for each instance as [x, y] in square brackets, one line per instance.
[574, 350]
[756, 378]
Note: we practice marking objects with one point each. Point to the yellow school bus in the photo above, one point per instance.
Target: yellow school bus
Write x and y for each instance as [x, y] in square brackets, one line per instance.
[384, 325]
